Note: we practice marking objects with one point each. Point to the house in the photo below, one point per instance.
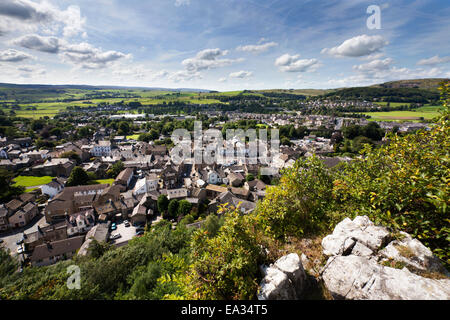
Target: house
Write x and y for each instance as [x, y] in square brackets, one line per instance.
[178, 194]
[59, 167]
[212, 191]
[139, 214]
[236, 179]
[52, 188]
[255, 185]
[70, 200]
[169, 177]
[101, 149]
[124, 178]
[81, 222]
[233, 202]
[52, 252]
[48, 233]
[20, 212]
[157, 150]
[241, 193]
[99, 232]
[147, 184]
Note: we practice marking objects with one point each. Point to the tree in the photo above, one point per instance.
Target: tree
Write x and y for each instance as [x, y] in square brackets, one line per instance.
[72, 155]
[212, 225]
[124, 128]
[115, 169]
[7, 190]
[184, 207]
[172, 209]
[78, 177]
[163, 203]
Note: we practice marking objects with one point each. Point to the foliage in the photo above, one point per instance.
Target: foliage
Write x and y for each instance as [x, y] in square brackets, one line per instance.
[7, 190]
[298, 205]
[78, 177]
[162, 203]
[225, 266]
[404, 185]
[115, 169]
[172, 209]
[212, 225]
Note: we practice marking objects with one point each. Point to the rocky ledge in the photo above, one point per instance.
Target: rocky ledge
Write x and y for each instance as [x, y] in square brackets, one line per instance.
[364, 263]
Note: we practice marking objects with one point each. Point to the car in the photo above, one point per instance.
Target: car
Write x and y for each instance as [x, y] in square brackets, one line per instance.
[126, 223]
[115, 236]
[113, 226]
[20, 250]
[20, 241]
[140, 233]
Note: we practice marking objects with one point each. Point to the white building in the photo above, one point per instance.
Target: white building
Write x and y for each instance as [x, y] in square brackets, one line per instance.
[146, 184]
[101, 149]
[52, 189]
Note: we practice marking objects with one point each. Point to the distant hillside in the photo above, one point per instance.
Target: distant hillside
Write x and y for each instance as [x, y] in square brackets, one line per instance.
[87, 87]
[304, 92]
[428, 84]
[403, 95]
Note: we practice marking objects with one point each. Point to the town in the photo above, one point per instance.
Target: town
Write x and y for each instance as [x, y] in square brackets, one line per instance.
[111, 182]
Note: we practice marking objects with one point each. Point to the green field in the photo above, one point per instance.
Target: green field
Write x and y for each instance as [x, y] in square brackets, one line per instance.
[104, 181]
[427, 113]
[133, 137]
[29, 181]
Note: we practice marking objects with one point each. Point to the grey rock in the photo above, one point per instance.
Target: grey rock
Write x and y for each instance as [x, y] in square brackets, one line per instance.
[293, 268]
[347, 233]
[361, 278]
[284, 280]
[276, 286]
[412, 253]
[361, 250]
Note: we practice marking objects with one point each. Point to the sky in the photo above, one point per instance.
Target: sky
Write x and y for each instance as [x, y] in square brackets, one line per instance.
[223, 45]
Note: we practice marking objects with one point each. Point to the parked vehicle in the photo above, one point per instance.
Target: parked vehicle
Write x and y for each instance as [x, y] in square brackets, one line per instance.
[20, 250]
[126, 223]
[115, 236]
[140, 233]
[113, 226]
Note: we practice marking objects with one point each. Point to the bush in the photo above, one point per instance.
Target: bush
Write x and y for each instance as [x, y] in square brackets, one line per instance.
[299, 204]
[225, 266]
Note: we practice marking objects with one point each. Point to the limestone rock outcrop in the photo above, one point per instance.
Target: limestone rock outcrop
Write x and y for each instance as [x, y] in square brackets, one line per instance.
[283, 280]
[358, 266]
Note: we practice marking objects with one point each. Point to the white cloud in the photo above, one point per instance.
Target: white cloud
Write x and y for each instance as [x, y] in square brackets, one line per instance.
[374, 66]
[12, 55]
[87, 57]
[288, 63]
[39, 43]
[183, 75]
[208, 59]
[179, 3]
[433, 61]
[29, 16]
[358, 46]
[241, 74]
[258, 48]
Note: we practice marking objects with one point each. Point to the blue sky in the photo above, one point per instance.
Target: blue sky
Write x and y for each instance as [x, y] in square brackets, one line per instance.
[222, 45]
